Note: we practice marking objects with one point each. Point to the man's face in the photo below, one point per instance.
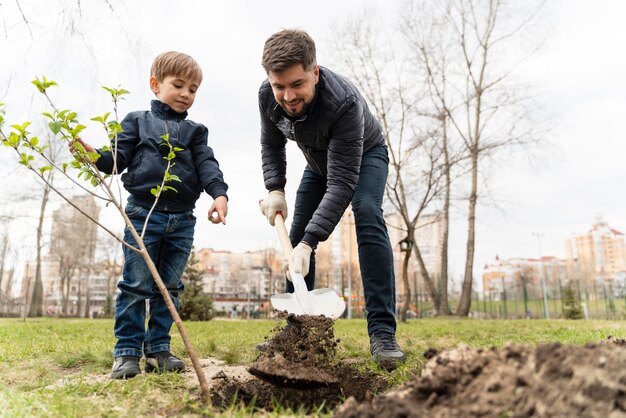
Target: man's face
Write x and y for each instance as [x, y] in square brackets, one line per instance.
[177, 92]
[294, 88]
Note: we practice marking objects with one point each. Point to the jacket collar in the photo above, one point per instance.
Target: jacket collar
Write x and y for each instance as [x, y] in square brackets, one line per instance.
[164, 111]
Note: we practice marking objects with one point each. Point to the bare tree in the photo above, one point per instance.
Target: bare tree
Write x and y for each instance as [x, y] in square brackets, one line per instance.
[4, 247]
[527, 275]
[415, 176]
[53, 150]
[110, 256]
[485, 113]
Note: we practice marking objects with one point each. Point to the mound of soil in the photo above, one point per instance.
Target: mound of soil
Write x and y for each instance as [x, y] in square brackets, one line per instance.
[550, 380]
[298, 369]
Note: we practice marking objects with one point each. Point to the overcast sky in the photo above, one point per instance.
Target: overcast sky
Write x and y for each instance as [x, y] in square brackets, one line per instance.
[579, 73]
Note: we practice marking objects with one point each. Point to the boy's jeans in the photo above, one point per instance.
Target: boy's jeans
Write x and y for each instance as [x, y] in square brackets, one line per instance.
[168, 238]
[375, 252]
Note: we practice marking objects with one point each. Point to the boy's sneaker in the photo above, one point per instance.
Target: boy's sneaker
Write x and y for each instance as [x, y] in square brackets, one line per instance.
[125, 367]
[163, 361]
[385, 350]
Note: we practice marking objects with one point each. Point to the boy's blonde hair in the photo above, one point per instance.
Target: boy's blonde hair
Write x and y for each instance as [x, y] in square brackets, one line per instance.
[176, 64]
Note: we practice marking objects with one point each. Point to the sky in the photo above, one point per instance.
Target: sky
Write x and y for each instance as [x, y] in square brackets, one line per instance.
[578, 74]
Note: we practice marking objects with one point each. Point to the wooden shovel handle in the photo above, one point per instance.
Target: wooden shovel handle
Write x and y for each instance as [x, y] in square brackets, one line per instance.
[285, 243]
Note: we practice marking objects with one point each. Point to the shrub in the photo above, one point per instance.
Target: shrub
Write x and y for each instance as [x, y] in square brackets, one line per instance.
[195, 304]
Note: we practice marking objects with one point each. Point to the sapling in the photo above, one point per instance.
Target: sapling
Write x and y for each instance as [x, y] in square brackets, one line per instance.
[66, 127]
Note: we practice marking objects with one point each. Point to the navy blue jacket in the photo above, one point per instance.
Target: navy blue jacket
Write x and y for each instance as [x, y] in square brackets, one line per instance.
[139, 153]
[336, 130]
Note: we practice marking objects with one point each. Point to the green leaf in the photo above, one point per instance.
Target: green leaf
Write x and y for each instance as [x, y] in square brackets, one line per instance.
[93, 156]
[44, 169]
[55, 127]
[77, 129]
[170, 188]
[174, 177]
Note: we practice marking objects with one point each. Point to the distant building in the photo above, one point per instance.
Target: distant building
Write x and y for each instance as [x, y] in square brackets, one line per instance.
[597, 255]
[429, 237]
[73, 283]
[518, 275]
[245, 279]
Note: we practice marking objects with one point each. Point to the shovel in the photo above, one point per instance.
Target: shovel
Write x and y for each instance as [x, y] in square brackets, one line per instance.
[302, 302]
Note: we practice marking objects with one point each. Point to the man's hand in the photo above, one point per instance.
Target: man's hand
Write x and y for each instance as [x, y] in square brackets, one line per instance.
[286, 268]
[301, 258]
[218, 210]
[274, 203]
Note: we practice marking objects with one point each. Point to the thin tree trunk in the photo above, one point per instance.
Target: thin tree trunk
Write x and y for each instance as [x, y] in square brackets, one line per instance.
[36, 305]
[407, 288]
[443, 307]
[3, 257]
[432, 289]
[466, 290]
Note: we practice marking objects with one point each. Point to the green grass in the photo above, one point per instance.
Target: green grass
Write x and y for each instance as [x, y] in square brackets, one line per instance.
[38, 354]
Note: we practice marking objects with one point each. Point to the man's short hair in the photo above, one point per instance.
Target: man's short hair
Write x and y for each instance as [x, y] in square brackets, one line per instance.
[286, 48]
[176, 64]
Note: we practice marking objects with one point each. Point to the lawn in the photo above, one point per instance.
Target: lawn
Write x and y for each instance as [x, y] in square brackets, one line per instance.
[59, 367]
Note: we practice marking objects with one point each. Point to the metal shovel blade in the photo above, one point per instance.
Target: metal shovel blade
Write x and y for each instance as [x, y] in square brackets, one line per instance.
[323, 302]
[302, 302]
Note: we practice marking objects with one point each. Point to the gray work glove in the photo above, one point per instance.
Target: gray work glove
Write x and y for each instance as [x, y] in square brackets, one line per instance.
[301, 258]
[274, 203]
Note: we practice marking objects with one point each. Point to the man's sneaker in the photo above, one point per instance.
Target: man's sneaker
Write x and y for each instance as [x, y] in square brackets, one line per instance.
[163, 361]
[125, 367]
[386, 351]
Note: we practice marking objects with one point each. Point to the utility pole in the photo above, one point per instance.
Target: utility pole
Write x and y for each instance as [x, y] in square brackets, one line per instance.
[546, 315]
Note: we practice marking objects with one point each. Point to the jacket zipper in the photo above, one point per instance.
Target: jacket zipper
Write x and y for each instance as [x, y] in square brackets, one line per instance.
[310, 158]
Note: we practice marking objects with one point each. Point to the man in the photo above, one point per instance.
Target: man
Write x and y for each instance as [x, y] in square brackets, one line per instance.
[347, 162]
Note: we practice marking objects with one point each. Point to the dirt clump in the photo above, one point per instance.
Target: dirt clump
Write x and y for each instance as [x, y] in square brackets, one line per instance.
[298, 369]
[549, 380]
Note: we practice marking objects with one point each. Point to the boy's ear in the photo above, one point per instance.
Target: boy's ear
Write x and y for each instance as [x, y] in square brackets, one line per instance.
[154, 84]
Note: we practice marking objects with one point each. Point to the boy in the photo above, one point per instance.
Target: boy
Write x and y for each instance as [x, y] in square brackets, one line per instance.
[174, 79]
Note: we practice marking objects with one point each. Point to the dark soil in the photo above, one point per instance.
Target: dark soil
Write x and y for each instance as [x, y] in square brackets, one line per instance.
[299, 370]
[551, 380]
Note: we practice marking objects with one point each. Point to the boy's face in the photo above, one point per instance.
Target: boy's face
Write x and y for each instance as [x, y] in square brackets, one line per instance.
[294, 88]
[177, 92]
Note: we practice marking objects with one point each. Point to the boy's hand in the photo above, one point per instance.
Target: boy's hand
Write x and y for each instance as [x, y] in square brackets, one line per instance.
[219, 210]
[86, 147]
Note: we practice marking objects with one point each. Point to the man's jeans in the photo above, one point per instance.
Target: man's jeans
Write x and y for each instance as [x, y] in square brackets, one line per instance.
[168, 238]
[375, 252]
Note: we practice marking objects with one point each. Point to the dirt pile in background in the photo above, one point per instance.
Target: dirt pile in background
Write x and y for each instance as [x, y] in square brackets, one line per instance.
[550, 380]
[298, 369]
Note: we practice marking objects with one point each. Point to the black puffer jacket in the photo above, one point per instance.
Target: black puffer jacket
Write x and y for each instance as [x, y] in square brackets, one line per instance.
[333, 135]
[140, 152]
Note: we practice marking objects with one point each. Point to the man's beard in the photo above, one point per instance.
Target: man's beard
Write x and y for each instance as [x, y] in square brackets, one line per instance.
[305, 107]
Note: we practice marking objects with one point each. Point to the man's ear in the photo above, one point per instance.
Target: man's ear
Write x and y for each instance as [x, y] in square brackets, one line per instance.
[154, 84]
[316, 73]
